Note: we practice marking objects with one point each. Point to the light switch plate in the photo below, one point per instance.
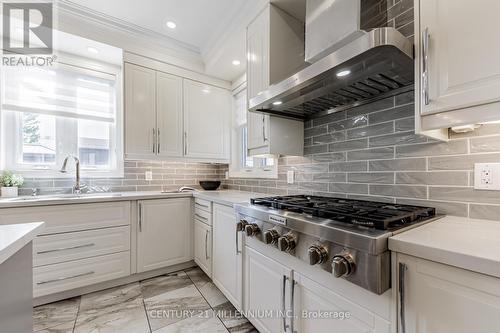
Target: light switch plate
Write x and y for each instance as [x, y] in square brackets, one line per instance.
[226, 175]
[487, 176]
[148, 175]
[290, 177]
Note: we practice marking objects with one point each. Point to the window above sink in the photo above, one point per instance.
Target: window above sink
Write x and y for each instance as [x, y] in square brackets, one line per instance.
[73, 107]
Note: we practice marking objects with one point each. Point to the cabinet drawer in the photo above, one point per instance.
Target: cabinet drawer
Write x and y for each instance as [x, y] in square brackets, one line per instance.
[203, 204]
[53, 249]
[69, 218]
[55, 278]
[202, 216]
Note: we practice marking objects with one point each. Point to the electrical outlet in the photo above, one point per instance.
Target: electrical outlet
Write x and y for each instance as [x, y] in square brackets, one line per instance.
[487, 176]
[148, 175]
[290, 177]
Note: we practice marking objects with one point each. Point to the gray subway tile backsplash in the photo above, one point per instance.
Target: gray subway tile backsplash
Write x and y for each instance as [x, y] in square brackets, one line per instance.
[402, 164]
[398, 112]
[457, 178]
[371, 154]
[374, 130]
[401, 138]
[433, 149]
[485, 145]
[463, 162]
[371, 178]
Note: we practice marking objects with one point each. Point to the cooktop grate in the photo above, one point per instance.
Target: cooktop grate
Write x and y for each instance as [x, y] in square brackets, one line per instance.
[371, 214]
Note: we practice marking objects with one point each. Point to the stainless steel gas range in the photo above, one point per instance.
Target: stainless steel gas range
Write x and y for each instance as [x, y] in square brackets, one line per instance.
[348, 238]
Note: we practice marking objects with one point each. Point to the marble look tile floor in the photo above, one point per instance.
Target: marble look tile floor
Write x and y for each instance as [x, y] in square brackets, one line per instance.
[181, 302]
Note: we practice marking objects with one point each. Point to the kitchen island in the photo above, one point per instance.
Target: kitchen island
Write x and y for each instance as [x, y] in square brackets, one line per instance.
[16, 276]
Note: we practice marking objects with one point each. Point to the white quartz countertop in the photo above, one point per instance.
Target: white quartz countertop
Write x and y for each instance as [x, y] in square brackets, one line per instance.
[14, 237]
[224, 197]
[466, 243]
[227, 197]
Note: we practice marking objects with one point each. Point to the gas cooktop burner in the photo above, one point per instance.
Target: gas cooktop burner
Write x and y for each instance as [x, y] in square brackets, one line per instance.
[369, 214]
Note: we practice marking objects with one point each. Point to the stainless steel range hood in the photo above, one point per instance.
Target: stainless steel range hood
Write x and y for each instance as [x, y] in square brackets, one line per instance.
[376, 65]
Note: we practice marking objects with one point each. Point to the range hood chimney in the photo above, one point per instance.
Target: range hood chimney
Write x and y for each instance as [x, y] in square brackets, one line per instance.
[357, 59]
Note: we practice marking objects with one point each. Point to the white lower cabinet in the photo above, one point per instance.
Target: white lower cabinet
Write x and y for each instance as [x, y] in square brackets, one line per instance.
[266, 285]
[164, 236]
[435, 298]
[298, 304]
[227, 256]
[203, 246]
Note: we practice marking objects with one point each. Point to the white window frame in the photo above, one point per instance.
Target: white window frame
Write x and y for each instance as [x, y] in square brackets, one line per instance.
[14, 133]
[237, 167]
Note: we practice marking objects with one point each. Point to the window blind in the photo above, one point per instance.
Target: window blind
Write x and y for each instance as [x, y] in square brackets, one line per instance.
[63, 91]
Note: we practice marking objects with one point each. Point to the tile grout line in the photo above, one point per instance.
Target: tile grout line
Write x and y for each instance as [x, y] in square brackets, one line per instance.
[77, 313]
[206, 300]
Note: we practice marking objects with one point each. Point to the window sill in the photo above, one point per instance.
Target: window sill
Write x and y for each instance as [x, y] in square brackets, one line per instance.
[254, 173]
[47, 174]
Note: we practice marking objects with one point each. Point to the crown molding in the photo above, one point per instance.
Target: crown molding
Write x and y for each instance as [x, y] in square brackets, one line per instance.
[67, 6]
[213, 49]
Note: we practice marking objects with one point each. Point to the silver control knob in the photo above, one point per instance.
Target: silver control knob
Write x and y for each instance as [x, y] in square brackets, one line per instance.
[271, 236]
[286, 243]
[252, 229]
[342, 265]
[318, 254]
[240, 226]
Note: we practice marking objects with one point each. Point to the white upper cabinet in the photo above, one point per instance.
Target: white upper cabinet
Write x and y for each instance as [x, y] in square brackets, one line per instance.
[275, 50]
[458, 72]
[169, 115]
[207, 116]
[140, 110]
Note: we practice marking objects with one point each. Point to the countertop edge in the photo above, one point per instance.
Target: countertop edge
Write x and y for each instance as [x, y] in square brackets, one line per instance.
[222, 197]
[33, 229]
[415, 243]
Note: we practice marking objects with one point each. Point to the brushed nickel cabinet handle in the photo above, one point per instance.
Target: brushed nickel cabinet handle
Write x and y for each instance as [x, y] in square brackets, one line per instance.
[402, 318]
[237, 243]
[206, 245]
[66, 248]
[140, 217]
[292, 304]
[283, 300]
[185, 143]
[425, 65]
[201, 217]
[65, 278]
[154, 141]
[158, 140]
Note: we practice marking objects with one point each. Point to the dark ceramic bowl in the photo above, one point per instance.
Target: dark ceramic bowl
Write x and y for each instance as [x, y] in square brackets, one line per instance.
[210, 185]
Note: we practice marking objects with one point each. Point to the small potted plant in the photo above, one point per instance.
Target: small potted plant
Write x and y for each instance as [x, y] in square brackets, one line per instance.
[10, 184]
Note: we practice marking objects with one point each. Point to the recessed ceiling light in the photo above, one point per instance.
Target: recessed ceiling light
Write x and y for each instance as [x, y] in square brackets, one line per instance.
[278, 103]
[171, 25]
[206, 90]
[343, 73]
[92, 50]
[236, 62]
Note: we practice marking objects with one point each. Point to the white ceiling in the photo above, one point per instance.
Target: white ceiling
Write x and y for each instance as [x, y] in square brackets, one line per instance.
[213, 28]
